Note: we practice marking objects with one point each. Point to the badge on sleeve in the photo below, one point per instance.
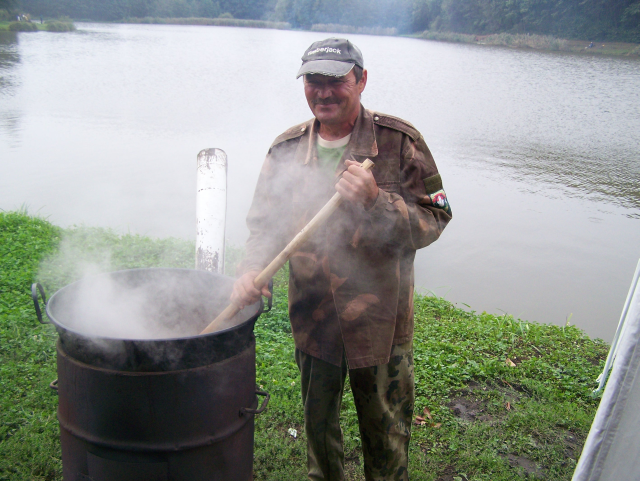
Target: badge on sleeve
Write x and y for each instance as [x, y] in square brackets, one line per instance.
[436, 193]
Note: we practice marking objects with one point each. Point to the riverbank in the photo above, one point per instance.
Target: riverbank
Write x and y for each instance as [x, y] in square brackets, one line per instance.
[215, 22]
[522, 41]
[499, 398]
[536, 42]
[64, 25]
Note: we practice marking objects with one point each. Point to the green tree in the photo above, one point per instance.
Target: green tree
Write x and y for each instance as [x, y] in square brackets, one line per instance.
[209, 9]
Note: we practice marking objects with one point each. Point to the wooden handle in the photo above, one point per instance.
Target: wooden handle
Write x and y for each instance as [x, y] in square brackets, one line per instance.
[280, 260]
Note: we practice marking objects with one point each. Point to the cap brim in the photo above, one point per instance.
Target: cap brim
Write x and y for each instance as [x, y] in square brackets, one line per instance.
[333, 68]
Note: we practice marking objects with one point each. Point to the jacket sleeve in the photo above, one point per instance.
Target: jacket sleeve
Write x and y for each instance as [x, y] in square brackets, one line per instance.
[415, 215]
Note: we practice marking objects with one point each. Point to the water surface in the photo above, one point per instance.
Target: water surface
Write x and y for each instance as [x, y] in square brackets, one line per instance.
[538, 150]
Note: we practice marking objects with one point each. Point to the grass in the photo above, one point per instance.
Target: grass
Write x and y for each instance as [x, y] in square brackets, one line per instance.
[501, 398]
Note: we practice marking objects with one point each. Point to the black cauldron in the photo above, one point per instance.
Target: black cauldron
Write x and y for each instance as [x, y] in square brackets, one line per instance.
[162, 408]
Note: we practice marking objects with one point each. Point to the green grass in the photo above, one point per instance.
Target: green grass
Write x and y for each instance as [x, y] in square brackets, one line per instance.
[490, 421]
[28, 427]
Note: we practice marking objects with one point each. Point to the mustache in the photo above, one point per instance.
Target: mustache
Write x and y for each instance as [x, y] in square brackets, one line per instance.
[327, 101]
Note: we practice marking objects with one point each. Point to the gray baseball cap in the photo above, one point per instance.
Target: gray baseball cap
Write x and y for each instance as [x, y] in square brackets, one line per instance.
[334, 57]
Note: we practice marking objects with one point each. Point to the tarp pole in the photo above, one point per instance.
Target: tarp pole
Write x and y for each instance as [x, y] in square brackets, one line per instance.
[602, 379]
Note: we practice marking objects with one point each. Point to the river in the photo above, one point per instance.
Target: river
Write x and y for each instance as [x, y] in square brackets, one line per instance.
[539, 151]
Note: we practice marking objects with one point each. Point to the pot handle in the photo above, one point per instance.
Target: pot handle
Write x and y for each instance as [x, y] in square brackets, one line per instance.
[261, 408]
[269, 299]
[35, 288]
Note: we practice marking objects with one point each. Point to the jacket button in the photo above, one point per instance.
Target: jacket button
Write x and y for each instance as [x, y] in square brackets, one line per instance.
[303, 129]
[376, 118]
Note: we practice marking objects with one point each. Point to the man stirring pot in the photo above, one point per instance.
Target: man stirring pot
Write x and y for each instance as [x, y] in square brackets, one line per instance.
[351, 287]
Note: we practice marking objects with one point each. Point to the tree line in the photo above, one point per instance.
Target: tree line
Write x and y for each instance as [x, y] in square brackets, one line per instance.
[611, 20]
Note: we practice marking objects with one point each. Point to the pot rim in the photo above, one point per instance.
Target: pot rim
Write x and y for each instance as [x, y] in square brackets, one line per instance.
[60, 325]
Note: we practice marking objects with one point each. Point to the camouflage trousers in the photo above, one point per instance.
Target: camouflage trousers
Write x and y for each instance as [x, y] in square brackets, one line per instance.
[384, 398]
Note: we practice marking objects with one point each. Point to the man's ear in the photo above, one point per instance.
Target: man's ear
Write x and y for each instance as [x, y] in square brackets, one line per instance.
[363, 81]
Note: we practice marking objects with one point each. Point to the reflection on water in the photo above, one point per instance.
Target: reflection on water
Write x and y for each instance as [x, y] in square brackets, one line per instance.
[10, 125]
[610, 177]
[538, 151]
[8, 50]
[9, 59]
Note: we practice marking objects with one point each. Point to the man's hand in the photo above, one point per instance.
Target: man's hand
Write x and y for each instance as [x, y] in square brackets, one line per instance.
[358, 185]
[245, 293]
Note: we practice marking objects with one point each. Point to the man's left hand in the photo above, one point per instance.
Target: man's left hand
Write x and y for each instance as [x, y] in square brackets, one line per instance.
[358, 185]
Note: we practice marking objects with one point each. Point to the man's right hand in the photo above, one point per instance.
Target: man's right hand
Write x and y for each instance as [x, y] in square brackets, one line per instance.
[245, 293]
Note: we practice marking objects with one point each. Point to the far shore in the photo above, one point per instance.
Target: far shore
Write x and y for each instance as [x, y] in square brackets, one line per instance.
[518, 41]
[536, 42]
[525, 41]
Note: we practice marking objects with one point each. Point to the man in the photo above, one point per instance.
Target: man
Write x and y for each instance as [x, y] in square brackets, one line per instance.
[351, 286]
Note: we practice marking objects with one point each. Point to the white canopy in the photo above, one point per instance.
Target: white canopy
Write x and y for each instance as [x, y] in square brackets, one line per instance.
[612, 449]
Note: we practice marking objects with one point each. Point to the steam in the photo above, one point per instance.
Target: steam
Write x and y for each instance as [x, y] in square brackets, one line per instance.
[290, 192]
[150, 304]
[108, 306]
[131, 304]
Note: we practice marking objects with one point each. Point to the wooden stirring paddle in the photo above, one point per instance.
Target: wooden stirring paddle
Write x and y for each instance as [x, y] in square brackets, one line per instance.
[280, 260]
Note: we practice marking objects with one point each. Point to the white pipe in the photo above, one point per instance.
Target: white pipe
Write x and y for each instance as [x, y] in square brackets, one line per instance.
[211, 210]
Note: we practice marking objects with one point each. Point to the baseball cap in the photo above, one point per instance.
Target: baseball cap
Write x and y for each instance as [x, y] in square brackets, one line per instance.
[333, 56]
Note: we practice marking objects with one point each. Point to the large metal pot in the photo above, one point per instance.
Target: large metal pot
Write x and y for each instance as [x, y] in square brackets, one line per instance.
[178, 408]
[191, 297]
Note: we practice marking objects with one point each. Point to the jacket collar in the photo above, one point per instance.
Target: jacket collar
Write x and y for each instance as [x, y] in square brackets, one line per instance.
[362, 144]
[363, 138]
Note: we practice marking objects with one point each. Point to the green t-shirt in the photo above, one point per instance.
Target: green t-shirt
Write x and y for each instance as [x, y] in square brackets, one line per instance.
[330, 152]
[329, 158]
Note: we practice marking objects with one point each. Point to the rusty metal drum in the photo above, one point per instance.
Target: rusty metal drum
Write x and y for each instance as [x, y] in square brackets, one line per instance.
[177, 408]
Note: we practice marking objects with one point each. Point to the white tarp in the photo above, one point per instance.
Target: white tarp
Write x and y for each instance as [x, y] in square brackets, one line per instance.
[612, 449]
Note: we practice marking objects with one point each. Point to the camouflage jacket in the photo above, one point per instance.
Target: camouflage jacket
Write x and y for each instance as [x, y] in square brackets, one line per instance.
[350, 286]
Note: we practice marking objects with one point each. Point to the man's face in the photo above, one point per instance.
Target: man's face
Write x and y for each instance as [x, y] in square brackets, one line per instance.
[334, 100]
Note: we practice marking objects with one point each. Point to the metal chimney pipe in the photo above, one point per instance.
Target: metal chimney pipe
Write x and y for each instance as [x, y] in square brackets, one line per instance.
[211, 210]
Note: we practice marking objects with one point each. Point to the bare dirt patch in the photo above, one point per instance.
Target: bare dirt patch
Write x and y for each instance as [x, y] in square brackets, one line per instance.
[573, 445]
[353, 466]
[469, 408]
[449, 474]
[472, 405]
[526, 465]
